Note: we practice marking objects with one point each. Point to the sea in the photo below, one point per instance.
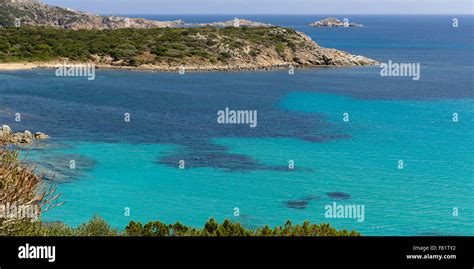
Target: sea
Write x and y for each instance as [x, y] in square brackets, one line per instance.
[147, 146]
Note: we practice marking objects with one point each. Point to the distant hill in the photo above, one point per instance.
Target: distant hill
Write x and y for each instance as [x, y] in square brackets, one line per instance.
[33, 12]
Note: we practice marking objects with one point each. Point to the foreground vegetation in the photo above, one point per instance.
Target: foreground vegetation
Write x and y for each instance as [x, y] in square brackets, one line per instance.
[143, 46]
[20, 186]
[99, 227]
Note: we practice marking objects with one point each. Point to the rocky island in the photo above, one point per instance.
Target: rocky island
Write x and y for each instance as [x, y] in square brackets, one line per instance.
[233, 23]
[54, 35]
[334, 22]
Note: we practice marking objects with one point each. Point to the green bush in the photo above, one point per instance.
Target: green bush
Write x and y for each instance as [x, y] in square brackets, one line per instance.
[280, 48]
[224, 56]
[95, 227]
[253, 53]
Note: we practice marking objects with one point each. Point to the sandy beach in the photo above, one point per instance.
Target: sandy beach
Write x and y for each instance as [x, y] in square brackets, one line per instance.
[25, 66]
[16, 66]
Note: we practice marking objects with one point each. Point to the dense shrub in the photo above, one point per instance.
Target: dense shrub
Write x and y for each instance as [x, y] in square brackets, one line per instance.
[99, 227]
[170, 45]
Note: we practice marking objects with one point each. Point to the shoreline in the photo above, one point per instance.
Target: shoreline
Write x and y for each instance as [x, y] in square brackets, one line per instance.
[19, 66]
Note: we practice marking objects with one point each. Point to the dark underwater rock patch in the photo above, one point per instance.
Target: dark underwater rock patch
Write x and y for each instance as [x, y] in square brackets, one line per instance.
[297, 204]
[220, 158]
[214, 159]
[301, 203]
[339, 195]
[57, 167]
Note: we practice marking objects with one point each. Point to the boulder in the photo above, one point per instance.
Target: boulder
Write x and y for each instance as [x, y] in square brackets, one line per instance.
[16, 138]
[28, 134]
[6, 130]
[40, 135]
[26, 140]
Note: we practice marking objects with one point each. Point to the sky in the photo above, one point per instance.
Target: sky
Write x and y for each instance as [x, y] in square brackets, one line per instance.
[269, 6]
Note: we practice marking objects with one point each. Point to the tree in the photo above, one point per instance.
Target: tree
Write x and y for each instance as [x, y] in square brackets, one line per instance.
[156, 228]
[210, 228]
[22, 195]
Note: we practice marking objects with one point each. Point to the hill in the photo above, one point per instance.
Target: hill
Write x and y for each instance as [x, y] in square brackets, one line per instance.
[35, 13]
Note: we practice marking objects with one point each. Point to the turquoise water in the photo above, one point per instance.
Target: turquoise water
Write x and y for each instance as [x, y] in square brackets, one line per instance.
[417, 200]
[135, 165]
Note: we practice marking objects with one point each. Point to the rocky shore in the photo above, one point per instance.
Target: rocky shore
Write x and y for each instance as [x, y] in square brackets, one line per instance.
[354, 60]
[26, 137]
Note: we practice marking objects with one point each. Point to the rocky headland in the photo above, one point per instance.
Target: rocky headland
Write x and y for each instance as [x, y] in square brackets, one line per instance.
[169, 49]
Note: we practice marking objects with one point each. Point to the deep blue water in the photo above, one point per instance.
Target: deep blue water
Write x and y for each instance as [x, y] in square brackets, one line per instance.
[173, 118]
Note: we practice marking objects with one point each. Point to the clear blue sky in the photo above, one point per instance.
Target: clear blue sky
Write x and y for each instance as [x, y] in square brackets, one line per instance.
[269, 6]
